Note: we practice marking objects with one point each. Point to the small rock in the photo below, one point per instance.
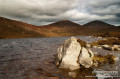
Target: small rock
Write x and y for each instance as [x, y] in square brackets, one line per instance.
[99, 47]
[94, 46]
[116, 58]
[107, 47]
[95, 63]
[72, 74]
[116, 47]
[88, 45]
[99, 37]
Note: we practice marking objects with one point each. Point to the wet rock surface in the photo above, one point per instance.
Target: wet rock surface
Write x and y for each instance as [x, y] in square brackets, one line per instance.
[34, 58]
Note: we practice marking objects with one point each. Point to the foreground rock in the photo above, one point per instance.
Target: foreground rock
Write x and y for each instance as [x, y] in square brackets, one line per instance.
[85, 58]
[71, 55]
[68, 54]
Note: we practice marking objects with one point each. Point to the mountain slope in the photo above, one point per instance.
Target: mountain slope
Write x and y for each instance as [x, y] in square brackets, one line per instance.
[16, 29]
[98, 24]
[64, 23]
[61, 28]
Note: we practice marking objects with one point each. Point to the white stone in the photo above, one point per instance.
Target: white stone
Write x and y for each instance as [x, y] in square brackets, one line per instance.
[116, 58]
[94, 46]
[99, 47]
[85, 59]
[95, 63]
[88, 45]
[72, 74]
[116, 47]
[99, 37]
[107, 47]
[68, 54]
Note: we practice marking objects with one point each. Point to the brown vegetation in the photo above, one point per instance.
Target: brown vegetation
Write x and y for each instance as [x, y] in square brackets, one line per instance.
[110, 41]
[108, 34]
[82, 43]
[16, 29]
[104, 59]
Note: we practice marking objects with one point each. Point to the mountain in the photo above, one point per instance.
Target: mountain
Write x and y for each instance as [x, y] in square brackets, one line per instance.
[61, 28]
[98, 24]
[64, 23]
[16, 29]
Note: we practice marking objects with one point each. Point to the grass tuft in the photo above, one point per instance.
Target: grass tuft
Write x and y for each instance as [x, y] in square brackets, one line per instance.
[104, 59]
[82, 43]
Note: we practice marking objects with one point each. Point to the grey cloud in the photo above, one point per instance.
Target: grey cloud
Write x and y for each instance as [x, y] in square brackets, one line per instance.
[39, 12]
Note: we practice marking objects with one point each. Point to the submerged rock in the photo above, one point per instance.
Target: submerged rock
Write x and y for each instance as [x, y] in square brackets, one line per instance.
[72, 74]
[68, 54]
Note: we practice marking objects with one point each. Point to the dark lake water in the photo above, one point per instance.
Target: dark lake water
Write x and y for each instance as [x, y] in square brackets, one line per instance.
[33, 58]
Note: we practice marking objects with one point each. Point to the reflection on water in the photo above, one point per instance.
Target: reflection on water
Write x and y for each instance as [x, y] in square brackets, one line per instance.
[33, 58]
[101, 74]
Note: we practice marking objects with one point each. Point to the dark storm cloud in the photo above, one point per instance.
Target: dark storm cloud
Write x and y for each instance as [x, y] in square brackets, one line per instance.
[40, 12]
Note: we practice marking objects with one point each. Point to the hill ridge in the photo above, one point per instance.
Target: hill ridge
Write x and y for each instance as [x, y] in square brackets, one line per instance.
[98, 24]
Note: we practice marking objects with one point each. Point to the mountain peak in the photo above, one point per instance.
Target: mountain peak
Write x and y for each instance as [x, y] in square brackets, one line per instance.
[64, 23]
[97, 24]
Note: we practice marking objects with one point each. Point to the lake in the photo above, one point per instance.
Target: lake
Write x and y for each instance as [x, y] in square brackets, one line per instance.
[33, 58]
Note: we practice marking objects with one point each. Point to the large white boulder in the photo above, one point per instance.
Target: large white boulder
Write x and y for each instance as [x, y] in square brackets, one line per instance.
[71, 55]
[85, 58]
[68, 54]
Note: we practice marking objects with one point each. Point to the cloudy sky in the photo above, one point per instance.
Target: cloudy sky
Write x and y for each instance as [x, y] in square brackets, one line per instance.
[40, 12]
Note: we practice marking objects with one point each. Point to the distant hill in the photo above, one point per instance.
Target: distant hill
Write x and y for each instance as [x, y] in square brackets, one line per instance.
[62, 28]
[64, 23]
[16, 29]
[98, 24]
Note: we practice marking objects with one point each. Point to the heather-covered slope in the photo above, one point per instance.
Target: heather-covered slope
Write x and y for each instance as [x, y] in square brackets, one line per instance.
[98, 24]
[62, 28]
[16, 29]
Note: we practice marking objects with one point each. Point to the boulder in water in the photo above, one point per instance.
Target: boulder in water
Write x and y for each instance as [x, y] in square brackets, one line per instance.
[68, 54]
[71, 54]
